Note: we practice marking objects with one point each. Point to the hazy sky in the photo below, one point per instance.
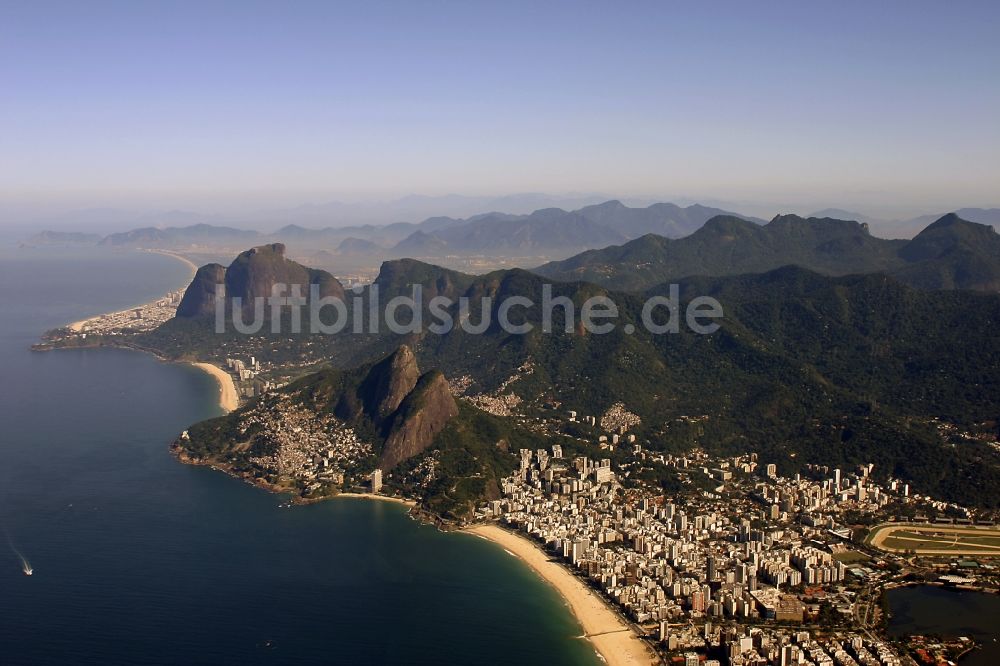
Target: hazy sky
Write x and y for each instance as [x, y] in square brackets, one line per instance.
[894, 104]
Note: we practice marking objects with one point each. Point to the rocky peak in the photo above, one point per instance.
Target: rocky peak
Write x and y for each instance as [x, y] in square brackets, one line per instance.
[389, 382]
[253, 274]
[199, 298]
[950, 233]
[405, 409]
[420, 417]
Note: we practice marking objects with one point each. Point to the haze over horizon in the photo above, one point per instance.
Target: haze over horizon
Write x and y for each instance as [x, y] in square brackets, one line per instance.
[235, 108]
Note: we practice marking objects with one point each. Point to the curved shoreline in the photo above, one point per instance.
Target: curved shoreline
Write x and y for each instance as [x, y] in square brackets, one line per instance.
[77, 326]
[612, 637]
[228, 398]
[167, 253]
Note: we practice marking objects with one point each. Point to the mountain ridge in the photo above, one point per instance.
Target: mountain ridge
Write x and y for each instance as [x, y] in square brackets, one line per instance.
[542, 230]
[838, 370]
[555, 229]
[950, 253]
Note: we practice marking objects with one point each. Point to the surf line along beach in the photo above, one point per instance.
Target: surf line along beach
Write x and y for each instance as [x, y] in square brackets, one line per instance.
[610, 635]
[79, 326]
[228, 398]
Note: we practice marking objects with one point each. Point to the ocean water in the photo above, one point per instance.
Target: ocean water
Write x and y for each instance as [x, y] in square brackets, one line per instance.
[926, 609]
[139, 559]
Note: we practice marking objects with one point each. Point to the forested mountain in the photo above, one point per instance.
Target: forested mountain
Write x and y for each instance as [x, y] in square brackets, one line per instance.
[402, 413]
[805, 367]
[951, 253]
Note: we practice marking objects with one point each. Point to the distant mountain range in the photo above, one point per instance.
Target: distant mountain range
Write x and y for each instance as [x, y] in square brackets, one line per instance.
[336, 214]
[544, 231]
[951, 253]
[555, 230]
[844, 245]
[910, 227]
[196, 234]
[416, 207]
[386, 223]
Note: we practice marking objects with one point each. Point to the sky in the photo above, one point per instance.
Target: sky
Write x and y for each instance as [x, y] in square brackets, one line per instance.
[878, 105]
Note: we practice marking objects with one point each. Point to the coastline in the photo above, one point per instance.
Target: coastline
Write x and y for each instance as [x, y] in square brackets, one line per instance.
[218, 466]
[77, 326]
[187, 262]
[228, 399]
[228, 396]
[376, 498]
[611, 636]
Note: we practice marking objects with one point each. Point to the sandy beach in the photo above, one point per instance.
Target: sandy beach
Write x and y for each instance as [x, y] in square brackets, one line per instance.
[377, 498]
[227, 389]
[228, 398]
[614, 640]
[190, 264]
[77, 326]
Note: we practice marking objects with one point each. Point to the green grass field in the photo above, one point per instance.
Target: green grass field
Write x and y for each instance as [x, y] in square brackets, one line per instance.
[936, 539]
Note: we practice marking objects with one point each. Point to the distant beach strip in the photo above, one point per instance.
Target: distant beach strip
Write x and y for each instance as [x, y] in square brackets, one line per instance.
[193, 267]
[78, 326]
[228, 397]
[612, 637]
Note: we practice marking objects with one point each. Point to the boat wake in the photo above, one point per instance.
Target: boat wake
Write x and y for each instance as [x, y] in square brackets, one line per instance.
[25, 564]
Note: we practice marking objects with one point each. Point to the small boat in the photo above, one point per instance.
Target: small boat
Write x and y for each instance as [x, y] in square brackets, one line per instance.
[28, 571]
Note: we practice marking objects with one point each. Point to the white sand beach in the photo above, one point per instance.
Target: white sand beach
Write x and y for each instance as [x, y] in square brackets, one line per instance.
[77, 326]
[227, 388]
[613, 638]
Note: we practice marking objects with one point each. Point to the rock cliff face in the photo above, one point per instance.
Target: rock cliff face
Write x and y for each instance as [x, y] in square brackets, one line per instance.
[252, 275]
[389, 382]
[421, 416]
[379, 389]
[199, 299]
[407, 410]
[256, 271]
